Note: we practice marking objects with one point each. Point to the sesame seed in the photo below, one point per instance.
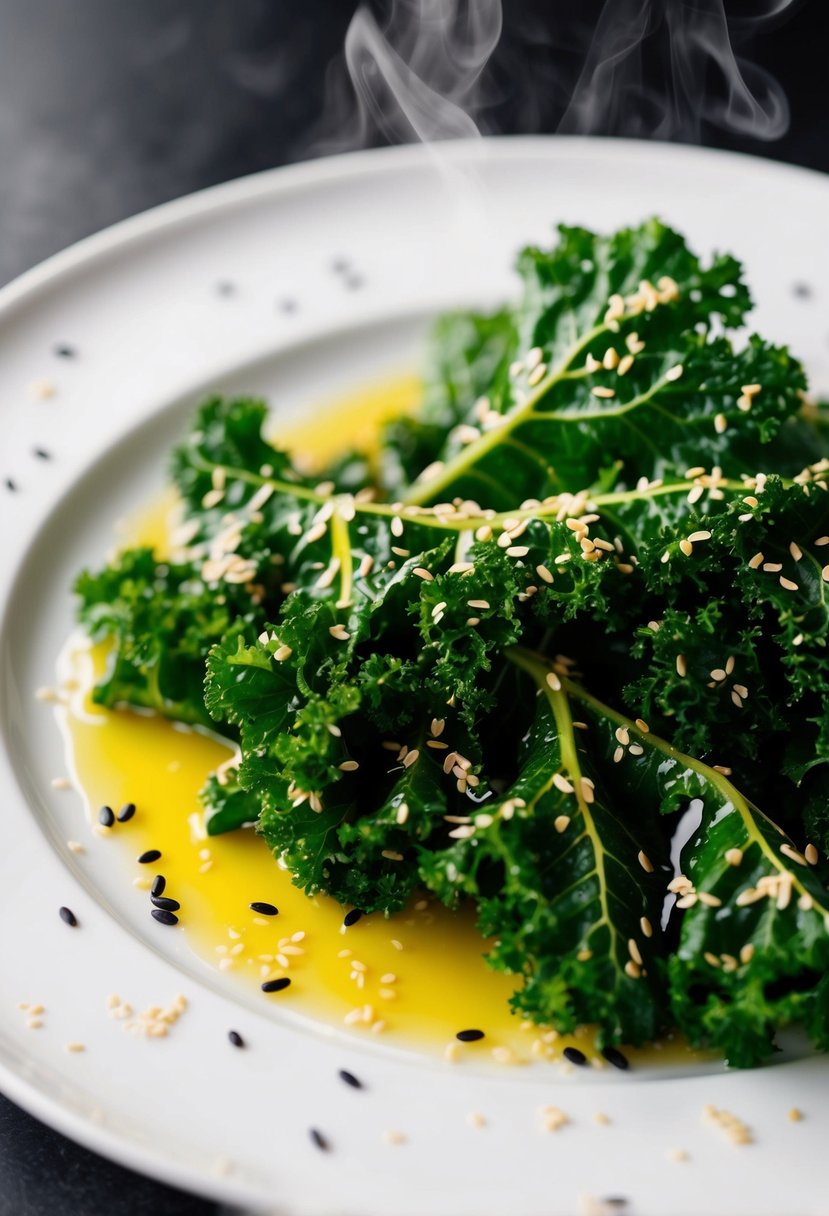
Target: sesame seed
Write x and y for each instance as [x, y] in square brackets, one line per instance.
[634, 951]
[795, 1115]
[645, 862]
[319, 1140]
[632, 970]
[75, 846]
[235, 1038]
[600, 390]
[61, 783]
[68, 917]
[681, 666]
[674, 373]
[734, 856]
[699, 536]
[393, 1137]
[148, 856]
[537, 375]
[164, 916]
[426, 575]
[561, 783]
[517, 551]
[75, 1047]
[553, 681]
[163, 901]
[616, 1058]
[796, 551]
[349, 766]
[811, 854]
[574, 1056]
[646, 926]
[788, 585]
[772, 567]
[686, 547]
[587, 790]
[106, 816]
[625, 364]
[352, 917]
[561, 823]
[720, 424]
[263, 909]
[278, 985]
[126, 812]
[470, 1036]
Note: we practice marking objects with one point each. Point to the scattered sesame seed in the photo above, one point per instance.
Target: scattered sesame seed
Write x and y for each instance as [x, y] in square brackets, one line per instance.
[574, 1056]
[149, 855]
[393, 1137]
[106, 816]
[61, 783]
[349, 766]
[319, 1140]
[68, 917]
[645, 862]
[553, 681]
[561, 823]
[615, 1057]
[681, 666]
[470, 1036]
[74, 846]
[646, 926]
[600, 390]
[164, 916]
[795, 1115]
[476, 1119]
[734, 856]
[674, 373]
[811, 854]
[720, 424]
[277, 985]
[352, 917]
[75, 1047]
[126, 812]
[235, 1038]
[677, 1154]
[788, 584]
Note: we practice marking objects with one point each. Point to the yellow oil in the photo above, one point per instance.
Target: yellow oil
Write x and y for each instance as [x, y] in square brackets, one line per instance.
[415, 979]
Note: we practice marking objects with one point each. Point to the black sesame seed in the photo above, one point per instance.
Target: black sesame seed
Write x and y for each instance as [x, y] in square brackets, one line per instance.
[106, 816]
[615, 1201]
[350, 1079]
[352, 917]
[42, 454]
[62, 351]
[264, 909]
[159, 883]
[276, 985]
[470, 1036]
[11, 485]
[319, 1139]
[616, 1058]
[802, 290]
[574, 1055]
[148, 856]
[163, 901]
[126, 812]
[235, 1038]
[163, 916]
[68, 917]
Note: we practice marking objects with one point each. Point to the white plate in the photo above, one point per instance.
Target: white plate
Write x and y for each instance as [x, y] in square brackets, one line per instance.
[422, 230]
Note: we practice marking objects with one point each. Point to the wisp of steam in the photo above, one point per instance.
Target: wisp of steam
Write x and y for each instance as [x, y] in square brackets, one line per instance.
[438, 69]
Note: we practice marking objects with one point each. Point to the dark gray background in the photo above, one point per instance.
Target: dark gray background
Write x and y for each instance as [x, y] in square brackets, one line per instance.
[108, 107]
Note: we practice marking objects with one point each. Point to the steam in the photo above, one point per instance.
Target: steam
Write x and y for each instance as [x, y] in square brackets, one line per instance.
[704, 81]
[444, 69]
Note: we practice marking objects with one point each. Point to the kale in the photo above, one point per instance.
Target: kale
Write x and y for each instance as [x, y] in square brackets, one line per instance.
[580, 594]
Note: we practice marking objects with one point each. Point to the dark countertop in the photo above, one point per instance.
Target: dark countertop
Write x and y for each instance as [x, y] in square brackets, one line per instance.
[107, 109]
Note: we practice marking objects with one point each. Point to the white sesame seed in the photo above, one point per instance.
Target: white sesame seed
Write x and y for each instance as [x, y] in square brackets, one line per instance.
[645, 862]
[561, 823]
[681, 666]
[625, 364]
[674, 373]
[600, 390]
[561, 783]
[720, 424]
[733, 856]
[811, 854]
[537, 375]
[756, 561]
[553, 681]
[698, 536]
[788, 584]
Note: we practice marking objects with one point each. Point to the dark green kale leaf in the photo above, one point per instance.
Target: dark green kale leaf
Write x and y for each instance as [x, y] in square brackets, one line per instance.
[161, 620]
